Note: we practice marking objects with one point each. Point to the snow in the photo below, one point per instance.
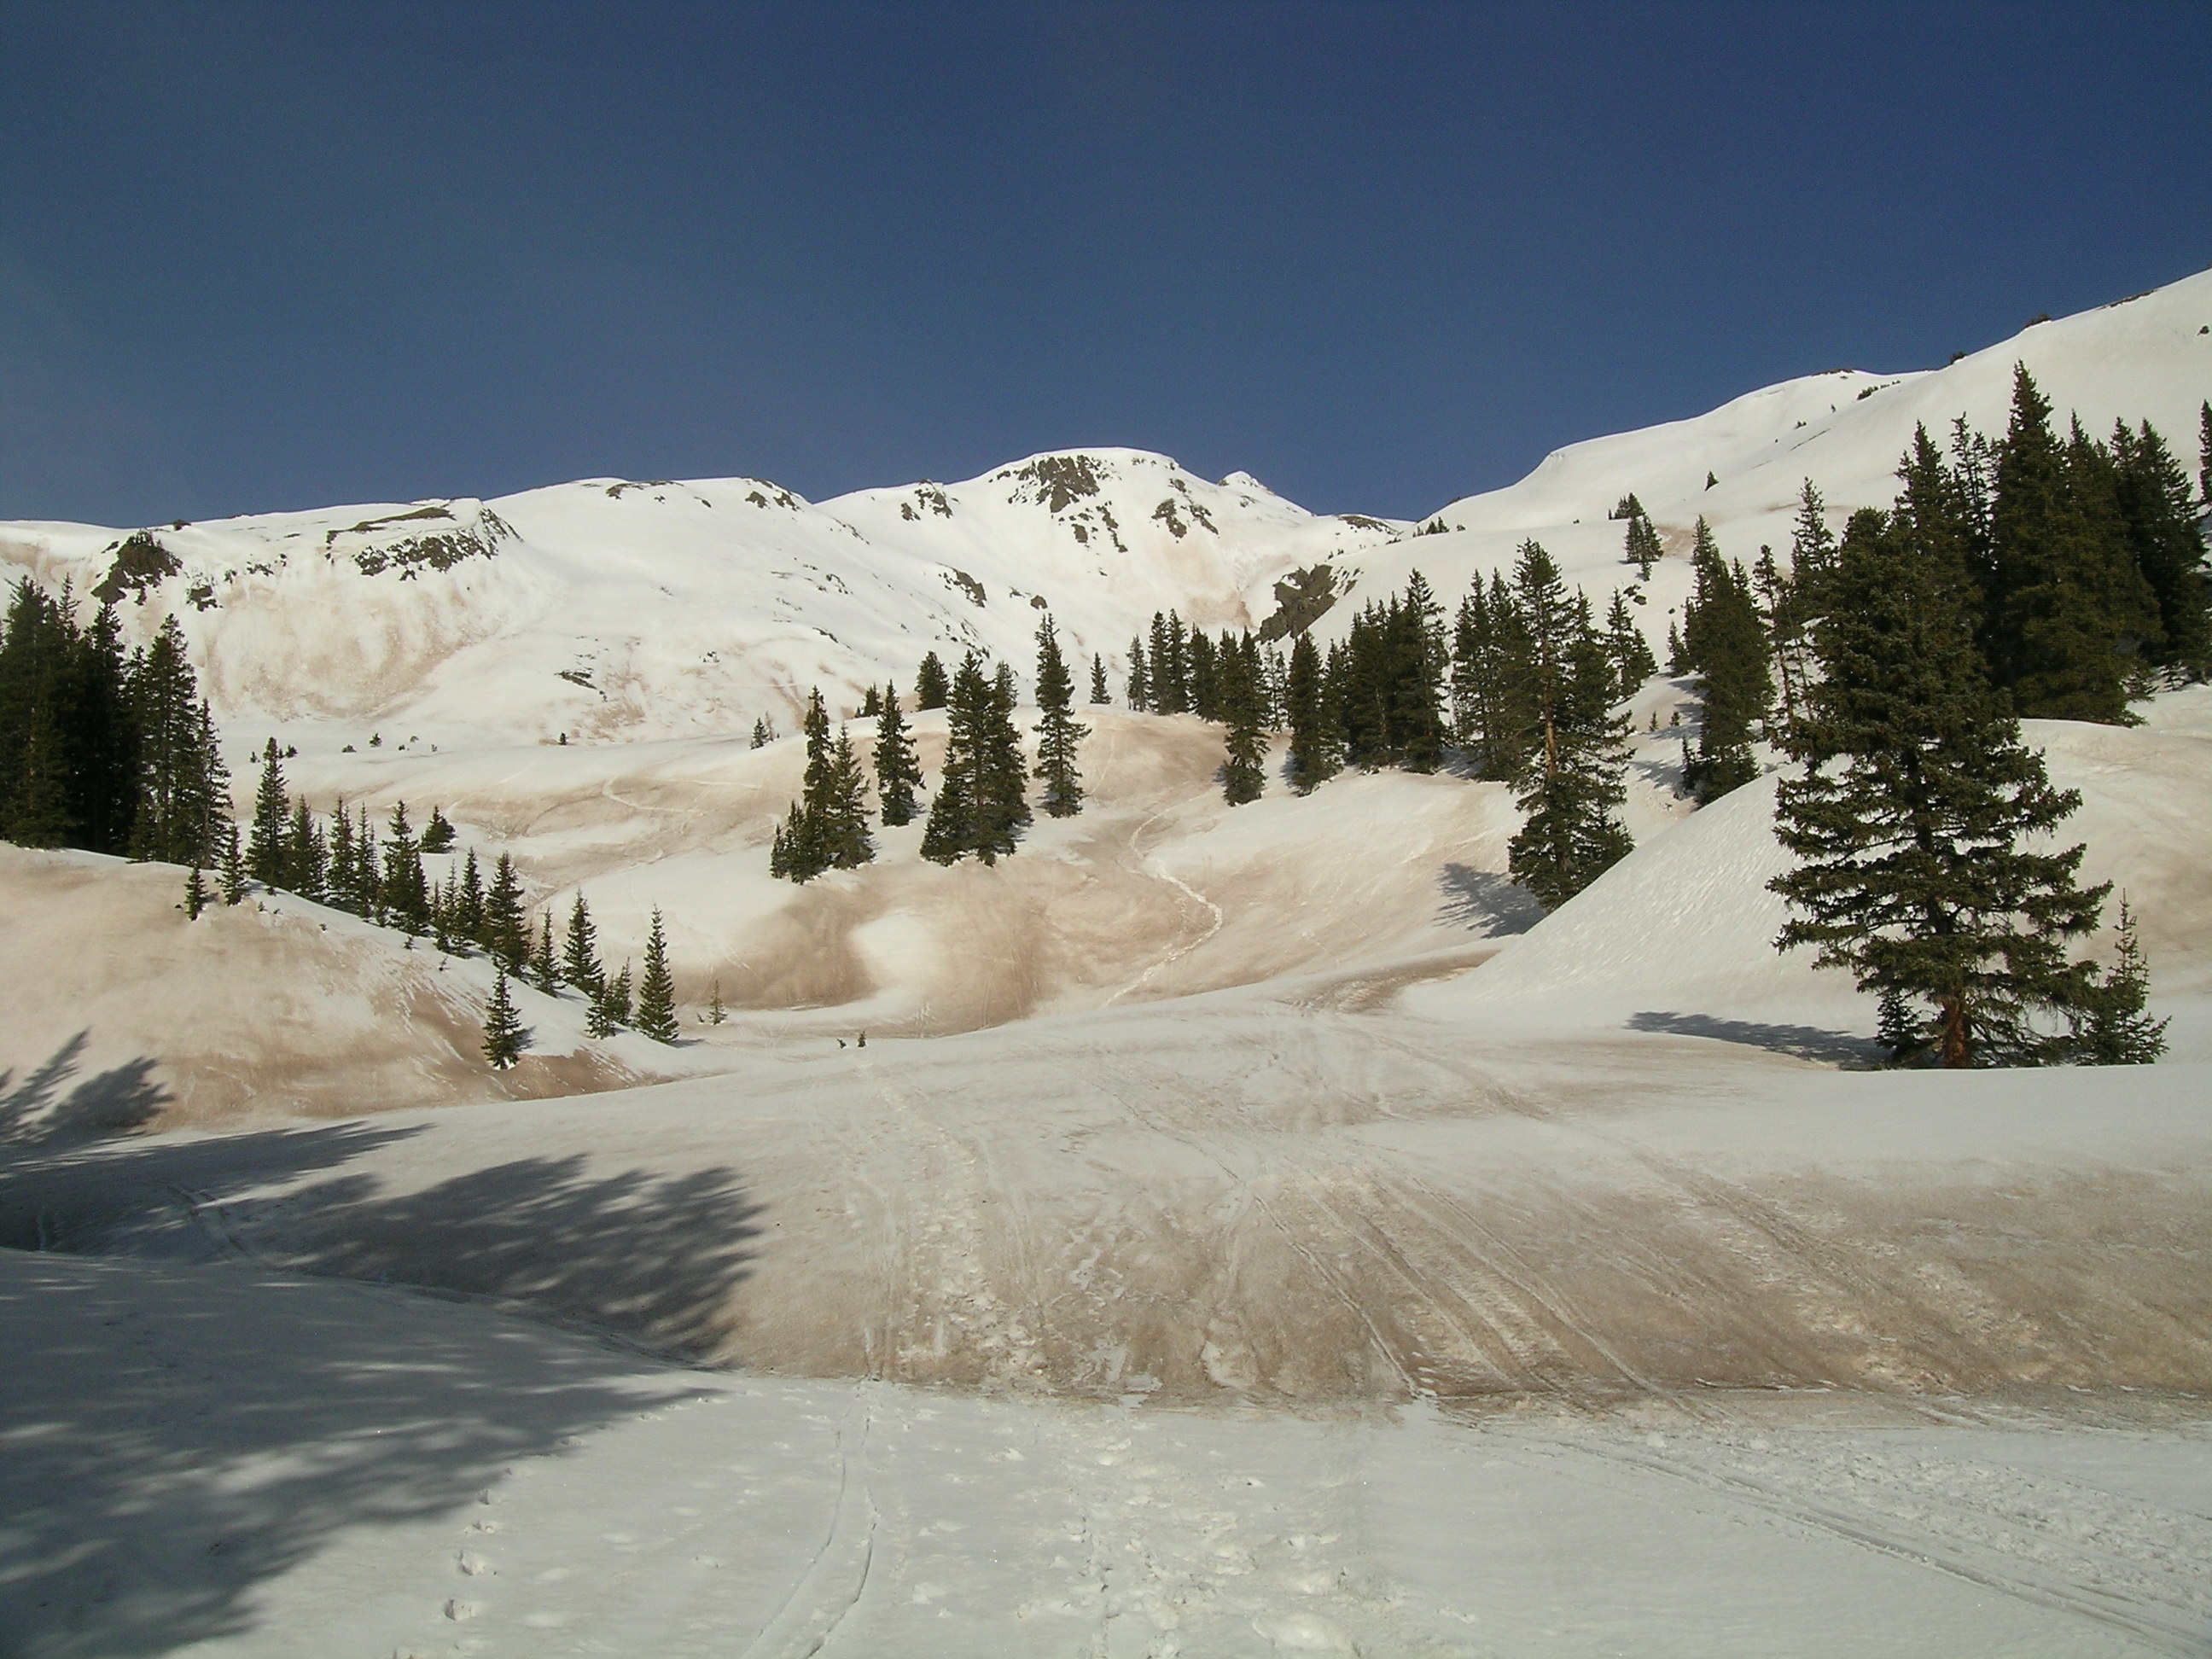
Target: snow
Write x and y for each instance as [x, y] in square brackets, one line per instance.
[1250, 1230]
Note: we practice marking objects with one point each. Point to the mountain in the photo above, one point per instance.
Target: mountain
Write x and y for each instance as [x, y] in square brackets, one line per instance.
[607, 609]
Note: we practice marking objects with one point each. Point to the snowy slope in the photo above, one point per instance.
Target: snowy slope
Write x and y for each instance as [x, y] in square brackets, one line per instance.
[614, 610]
[603, 609]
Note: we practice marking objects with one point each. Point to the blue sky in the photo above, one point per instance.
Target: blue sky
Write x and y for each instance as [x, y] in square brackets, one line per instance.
[260, 256]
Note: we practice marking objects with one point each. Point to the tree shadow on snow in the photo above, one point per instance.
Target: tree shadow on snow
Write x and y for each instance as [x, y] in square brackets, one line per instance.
[1487, 902]
[226, 1429]
[35, 1111]
[1800, 1042]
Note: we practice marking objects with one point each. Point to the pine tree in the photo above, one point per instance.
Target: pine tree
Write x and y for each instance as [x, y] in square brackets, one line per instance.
[272, 811]
[2067, 596]
[1726, 640]
[104, 738]
[840, 831]
[1170, 666]
[1644, 549]
[1140, 679]
[1100, 696]
[183, 786]
[898, 771]
[716, 1014]
[930, 686]
[1578, 760]
[579, 958]
[656, 988]
[196, 894]
[1907, 817]
[2158, 521]
[764, 733]
[871, 703]
[1312, 758]
[468, 921]
[506, 934]
[1632, 661]
[1058, 734]
[37, 644]
[2114, 1030]
[1244, 767]
[545, 967]
[233, 866]
[504, 1039]
[307, 854]
[614, 998]
[404, 891]
[980, 806]
[438, 834]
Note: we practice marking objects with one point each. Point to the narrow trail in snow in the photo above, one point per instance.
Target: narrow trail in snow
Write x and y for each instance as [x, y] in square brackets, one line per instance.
[1151, 866]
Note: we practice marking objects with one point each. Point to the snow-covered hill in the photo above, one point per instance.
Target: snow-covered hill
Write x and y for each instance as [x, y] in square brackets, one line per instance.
[612, 610]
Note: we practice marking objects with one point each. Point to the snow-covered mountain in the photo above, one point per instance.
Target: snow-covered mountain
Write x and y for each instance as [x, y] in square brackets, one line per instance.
[608, 609]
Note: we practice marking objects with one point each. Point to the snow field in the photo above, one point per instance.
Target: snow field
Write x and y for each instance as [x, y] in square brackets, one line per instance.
[347, 1469]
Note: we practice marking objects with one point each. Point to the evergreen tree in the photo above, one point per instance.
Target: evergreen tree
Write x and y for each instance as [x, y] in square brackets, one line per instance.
[1632, 661]
[307, 854]
[404, 891]
[506, 934]
[1727, 641]
[1907, 817]
[545, 967]
[196, 894]
[468, 919]
[504, 1039]
[872, 704]
[233, 866]
[1575, 777]
[1100, 696]
[1644, 549]
[1314, 759]
[898, 771]
[1244, 767]
[1419, 660]
[104, 739]
[36, 644]
[2159, 522]
[656, 988]
[842, 820]
[1197, 659]
[1170, 666]
[800, 851]
[980, 806]
[1058, 734]
[931, 687]
[1140, 679]
[614, 1003]
[764, 733]
[2066, 598]
[580, 953]
[438, 834]
[2114, 1030]
[182, 784]
[272, 812]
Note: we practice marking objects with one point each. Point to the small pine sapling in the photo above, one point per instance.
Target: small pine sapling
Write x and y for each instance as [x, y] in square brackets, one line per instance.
[504, 1038]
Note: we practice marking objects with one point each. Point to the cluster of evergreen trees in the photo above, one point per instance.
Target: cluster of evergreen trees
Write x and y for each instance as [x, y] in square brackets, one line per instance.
[378, 874]
[98, 749]
[981, 803]
[2025, 577]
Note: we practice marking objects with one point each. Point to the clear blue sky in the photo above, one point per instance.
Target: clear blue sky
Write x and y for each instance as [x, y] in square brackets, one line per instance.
[257, 256]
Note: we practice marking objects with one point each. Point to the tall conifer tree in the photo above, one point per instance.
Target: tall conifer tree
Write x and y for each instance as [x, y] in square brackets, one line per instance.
[1058, 733]
[898, 772]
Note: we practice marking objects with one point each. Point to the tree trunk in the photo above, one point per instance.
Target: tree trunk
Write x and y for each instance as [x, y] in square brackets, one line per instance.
[1957, 1054]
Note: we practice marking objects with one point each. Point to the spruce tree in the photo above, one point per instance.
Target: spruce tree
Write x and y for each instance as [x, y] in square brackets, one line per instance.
[579, 952]
[614, 998]
[196, 894]
[872, 704]
[764, 733]
[840, 831]
[931, 688]
[182, 785]
[37, 646]
[1002, 775]
[898, 771]
[980, 806]
[1314, 757]
[1575, 775]
[656, 988]
[504, 1039]
[2114, 1029]
[307, 854]
[272, 811]
[1644, 549]
[438, 834]
[2067, 596]
[1908, 813]
[507, 935]
[2158, 521]
[545, 967]
[1058, 734]
[1100, 696]
[1244, 767]
[233, 866]
[1139, 687]
[469, 901]
[404, 891]
[1728, 641]
[1632, 661]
